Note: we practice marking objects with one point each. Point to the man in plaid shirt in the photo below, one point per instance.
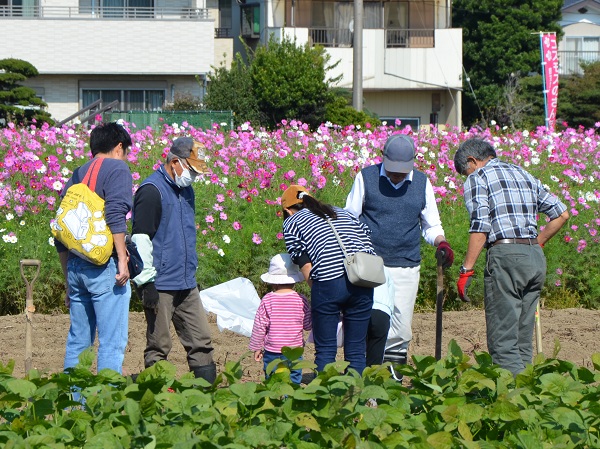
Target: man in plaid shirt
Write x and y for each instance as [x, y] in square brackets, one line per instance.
[503, 202]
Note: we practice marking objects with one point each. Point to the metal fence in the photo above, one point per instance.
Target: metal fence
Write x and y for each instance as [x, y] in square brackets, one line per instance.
[197, 119]
[570, 61]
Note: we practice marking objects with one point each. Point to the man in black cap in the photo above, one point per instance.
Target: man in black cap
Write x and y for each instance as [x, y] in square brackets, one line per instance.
[398, 204]
[164, 230]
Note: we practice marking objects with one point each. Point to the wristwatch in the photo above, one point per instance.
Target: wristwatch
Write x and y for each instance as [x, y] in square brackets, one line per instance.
[463, 270]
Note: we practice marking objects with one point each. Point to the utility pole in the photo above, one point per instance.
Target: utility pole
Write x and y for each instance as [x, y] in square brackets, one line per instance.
[357, 60]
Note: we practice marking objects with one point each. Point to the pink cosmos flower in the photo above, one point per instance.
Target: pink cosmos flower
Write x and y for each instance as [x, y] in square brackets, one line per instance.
[223, 216]
[236, 225]
[279, 235]
[256, 238]
[209, 219]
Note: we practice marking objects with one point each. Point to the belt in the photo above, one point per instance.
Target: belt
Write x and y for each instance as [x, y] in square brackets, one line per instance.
[532, 241]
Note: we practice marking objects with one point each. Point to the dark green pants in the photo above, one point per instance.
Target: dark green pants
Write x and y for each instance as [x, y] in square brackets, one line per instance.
[513, 279]
[184, 309]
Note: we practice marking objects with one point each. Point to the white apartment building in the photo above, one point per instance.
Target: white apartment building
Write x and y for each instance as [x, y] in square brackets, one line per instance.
[581, 40]
[138, 52]
[412, 57]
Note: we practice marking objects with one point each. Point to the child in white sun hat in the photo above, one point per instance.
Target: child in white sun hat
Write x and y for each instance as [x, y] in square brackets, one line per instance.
[282, 315]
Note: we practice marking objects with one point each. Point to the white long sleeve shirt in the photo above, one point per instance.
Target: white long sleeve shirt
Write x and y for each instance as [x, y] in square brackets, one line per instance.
[431, 225]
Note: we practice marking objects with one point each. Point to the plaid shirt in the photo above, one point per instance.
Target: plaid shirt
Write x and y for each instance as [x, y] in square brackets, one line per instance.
[504, 200]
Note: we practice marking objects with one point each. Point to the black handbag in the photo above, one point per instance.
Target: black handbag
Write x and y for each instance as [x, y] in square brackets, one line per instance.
[135, 264]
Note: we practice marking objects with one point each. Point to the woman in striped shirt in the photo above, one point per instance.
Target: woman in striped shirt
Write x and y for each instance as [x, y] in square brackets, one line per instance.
[311, 243]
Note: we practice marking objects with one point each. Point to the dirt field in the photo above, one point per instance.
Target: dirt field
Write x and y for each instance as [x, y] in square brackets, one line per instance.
[577, 330]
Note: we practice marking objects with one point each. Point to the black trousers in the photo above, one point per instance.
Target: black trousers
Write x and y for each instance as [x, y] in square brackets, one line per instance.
[379, 325]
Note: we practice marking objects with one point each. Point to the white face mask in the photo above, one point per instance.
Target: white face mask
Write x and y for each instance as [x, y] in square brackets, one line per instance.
[185, 180]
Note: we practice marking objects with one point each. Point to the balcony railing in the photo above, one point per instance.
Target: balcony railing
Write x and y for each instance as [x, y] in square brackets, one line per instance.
[395, 38]
[221, 33]
[570, 61]
[102, 12]
[331, 37]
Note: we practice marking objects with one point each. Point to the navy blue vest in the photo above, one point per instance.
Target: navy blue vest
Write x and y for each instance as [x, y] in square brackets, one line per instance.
[174, 244]
[394, 216]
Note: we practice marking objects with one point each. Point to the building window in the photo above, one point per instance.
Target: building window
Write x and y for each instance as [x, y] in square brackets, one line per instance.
[117, 8]
[129, 100]
[250, 18]
[19, 8]
[413, 122]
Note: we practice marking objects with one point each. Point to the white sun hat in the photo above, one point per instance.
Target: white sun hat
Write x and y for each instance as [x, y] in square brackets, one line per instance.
[282, 271]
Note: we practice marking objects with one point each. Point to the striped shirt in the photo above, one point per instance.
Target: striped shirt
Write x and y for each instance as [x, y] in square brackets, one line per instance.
[279, 321]
[307, 233]
[504, 200]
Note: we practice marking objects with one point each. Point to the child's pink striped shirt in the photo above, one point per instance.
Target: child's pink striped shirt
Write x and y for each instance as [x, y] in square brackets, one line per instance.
[279, 322]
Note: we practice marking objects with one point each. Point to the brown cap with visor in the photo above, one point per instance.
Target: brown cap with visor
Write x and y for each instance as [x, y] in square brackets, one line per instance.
[192, 151]
[292, 195]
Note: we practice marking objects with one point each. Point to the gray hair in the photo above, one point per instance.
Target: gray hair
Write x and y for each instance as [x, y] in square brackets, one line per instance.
[474, 147]
[171, 156]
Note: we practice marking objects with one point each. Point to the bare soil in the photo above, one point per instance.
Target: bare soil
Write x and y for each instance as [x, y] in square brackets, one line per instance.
[576, 330]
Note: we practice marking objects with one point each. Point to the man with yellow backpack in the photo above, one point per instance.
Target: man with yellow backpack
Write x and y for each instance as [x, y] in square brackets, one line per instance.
[96, 273]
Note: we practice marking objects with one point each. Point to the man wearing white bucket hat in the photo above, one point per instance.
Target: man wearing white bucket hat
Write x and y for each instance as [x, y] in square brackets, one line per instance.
[282, 315]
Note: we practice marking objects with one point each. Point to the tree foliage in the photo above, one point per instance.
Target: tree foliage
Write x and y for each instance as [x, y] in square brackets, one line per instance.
[340, 111]
[290, 82]
[231, 89]
[185, 101]
[19, 103]
[579, 98]
[500, 40]
[282, 81]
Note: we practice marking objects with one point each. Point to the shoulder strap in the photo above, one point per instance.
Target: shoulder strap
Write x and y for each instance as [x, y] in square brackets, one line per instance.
[91, 177]
[337, 236]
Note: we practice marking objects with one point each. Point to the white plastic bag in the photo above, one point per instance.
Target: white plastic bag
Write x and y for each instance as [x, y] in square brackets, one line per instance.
[234, 302]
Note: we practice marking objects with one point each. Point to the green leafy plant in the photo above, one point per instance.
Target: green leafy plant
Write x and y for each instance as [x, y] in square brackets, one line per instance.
[453, 402]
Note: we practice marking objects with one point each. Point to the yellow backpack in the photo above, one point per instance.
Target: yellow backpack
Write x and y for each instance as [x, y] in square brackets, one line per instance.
[79, 222]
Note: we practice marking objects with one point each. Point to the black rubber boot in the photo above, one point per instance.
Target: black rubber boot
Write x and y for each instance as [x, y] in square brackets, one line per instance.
[206, 372]
[396, 357]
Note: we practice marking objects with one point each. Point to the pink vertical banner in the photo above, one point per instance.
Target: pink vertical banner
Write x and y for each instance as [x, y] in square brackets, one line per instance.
[550, 73]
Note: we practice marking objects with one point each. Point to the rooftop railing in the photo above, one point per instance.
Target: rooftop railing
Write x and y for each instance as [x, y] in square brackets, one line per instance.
[100, 12]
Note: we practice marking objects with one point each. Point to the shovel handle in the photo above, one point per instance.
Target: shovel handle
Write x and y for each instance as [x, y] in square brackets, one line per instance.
[439, 306]
[29, 308]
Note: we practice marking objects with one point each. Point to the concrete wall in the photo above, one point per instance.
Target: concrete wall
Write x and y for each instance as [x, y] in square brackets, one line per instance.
[73, 46]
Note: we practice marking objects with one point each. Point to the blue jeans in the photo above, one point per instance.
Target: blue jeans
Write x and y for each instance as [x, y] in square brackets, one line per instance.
[97, 303]
[268, 357]
[329, 299]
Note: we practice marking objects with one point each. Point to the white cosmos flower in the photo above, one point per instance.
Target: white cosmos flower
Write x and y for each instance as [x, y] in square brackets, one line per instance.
[9, 217]
[220, 252]
[226, 239]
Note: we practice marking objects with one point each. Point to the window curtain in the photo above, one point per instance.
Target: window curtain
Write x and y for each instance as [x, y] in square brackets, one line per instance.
[30, 8]
[155, 100]
[372, 15]
[113, 8]
[88, 97]
[343, 20]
